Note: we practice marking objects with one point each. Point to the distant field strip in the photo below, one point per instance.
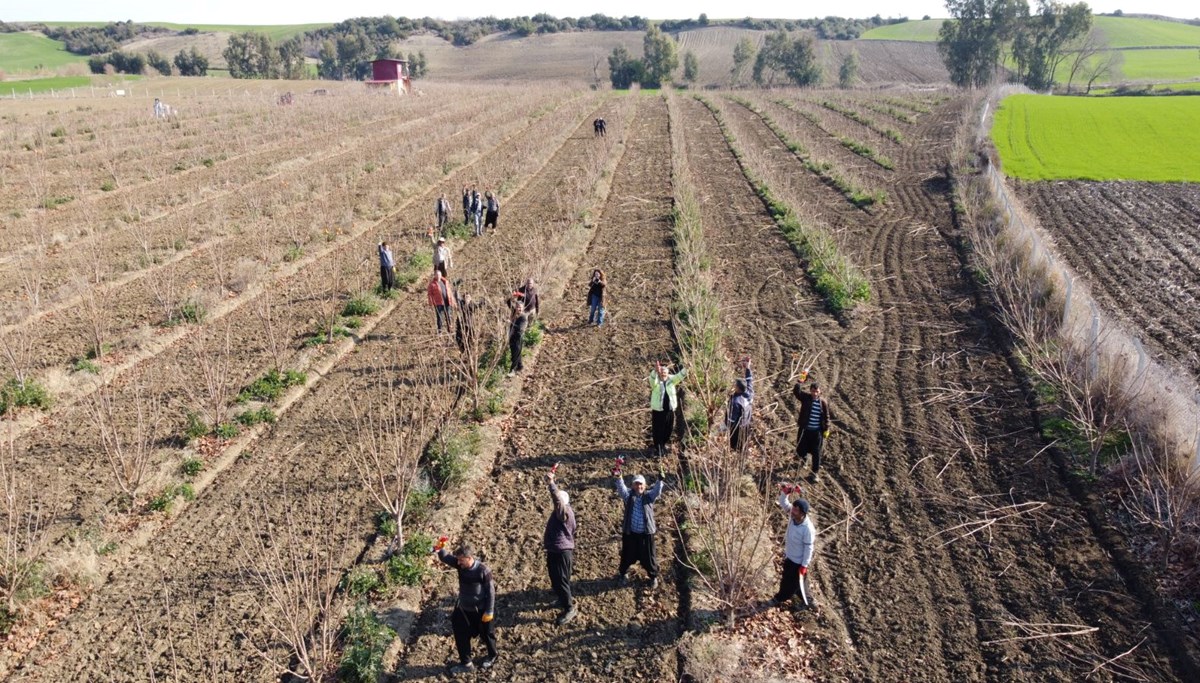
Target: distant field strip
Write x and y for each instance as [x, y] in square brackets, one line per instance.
[1119, 32]
[1111, 138]
[27, 51]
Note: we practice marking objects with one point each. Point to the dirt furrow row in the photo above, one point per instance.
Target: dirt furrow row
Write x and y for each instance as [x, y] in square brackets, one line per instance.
[581, 406]
[300, 461]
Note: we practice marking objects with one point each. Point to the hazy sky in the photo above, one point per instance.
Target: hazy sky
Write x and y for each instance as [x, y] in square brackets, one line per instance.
[311, 11]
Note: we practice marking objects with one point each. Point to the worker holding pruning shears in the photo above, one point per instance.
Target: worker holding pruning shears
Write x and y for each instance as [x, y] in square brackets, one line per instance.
[559, 541]
[475, 607]
[797, 549]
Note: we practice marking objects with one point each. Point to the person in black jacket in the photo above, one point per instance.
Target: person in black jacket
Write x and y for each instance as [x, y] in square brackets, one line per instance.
[559, 541]
[518, 322]
[740, 409]
[812, 427]
[466, 204]
[596, 297]
[475, 608]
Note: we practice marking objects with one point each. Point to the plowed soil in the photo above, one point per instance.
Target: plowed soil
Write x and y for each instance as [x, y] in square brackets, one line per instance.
[1137, 246]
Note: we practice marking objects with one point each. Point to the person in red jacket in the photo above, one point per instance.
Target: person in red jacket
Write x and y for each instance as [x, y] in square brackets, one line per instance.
[441, 297]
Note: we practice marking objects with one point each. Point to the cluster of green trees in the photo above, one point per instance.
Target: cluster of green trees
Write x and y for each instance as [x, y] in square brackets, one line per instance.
[191, 63]
[659, 60]
[983, 35]
[94, 40]
[187, 63]
[255, 55]
[382, 31]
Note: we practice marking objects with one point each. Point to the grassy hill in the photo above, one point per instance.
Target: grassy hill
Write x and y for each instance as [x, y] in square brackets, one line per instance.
[28, 51]
[1041, 137]
[277, 32]
[1119, 32]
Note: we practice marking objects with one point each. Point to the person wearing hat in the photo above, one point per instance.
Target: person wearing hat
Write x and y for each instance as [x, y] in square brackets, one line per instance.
[812, 427]
[442, 259]
[559, 541]
[797, 547]
[475, 607]
[637, 527]
[662, 405]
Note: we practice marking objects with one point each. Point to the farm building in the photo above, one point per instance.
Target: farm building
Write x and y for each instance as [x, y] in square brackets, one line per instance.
[390, 75]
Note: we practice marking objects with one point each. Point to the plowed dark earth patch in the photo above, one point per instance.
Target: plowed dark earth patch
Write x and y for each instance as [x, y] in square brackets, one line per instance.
[964, 528]
[1137, 245]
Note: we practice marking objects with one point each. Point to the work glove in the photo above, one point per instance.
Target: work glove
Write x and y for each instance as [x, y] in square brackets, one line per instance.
[487, 617]
[826, 434]
[804, 571]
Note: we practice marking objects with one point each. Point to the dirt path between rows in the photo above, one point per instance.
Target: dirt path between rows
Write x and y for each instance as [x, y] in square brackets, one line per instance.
[938, 443]
[583, 405]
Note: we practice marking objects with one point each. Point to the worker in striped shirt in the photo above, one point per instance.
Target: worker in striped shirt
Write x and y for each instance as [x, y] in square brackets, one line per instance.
[813, 426]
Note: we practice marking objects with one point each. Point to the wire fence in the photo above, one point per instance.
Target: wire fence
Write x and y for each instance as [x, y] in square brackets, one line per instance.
[1112, 347]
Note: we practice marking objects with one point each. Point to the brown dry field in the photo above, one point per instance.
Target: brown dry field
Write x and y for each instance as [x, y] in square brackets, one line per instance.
[1137, 248]
[924, 571]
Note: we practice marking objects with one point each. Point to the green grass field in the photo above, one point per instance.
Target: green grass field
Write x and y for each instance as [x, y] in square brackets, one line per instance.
[1118, 32]
[38, 85]
[1192, 86]
[277, 33]
[1104, 138]
[1160, 65]
[28, 51]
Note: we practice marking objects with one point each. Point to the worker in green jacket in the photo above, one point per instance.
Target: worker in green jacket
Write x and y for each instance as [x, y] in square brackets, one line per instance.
[663, 404]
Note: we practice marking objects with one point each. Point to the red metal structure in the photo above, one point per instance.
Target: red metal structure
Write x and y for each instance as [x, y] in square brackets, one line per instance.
[391, 75]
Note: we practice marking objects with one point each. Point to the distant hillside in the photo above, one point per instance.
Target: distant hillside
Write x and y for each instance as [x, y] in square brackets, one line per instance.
[28, 51]
[1120, 32]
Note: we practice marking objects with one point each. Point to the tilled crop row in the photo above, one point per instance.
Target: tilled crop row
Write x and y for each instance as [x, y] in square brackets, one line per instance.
[300, 461]
[957, 531]
[582, 405]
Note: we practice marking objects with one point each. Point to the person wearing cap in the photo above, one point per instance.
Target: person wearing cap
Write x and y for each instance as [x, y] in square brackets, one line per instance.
[559, 541]
[797, 548]
[812, 427]
[442, 259]
[475, 607]
[662, 405]
[441, 297]
[637, 527]
[387, 267]
[493, 211]
[741, 406]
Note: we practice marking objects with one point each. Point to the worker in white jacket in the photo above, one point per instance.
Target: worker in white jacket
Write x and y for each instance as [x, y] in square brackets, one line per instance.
[797, 549]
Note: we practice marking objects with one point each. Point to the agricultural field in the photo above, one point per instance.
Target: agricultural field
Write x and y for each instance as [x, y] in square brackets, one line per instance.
[1108, 138]
[27, 51]
[1119, 32]
[236, 426]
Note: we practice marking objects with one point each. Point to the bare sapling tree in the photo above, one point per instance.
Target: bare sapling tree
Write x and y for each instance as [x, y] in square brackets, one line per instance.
[128, 434]
[33, 281]
[278, 328]
[214, 389]
[292, 560]
[165, 287]
[96, 316]
[1162, 493]
[327, 292]
[480, 331]
[24, 514]
[728, 539]
[19, 352]
[392, 424]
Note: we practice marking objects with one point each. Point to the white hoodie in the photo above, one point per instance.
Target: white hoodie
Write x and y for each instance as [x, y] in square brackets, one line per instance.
[800, 537]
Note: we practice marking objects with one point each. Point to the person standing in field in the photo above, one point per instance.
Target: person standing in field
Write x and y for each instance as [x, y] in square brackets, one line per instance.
[464, 329]
[637, 527]
[441, 212]
[441, 297]
[387, 267]
[559, 541]
[477, 212]
[596, 297]
[740, 409]
[663, 404]
[493, 211]
[518, 322]
[812, 427]
[528, 294]
[466, 204]
[442, 258]
[475, 608]
[797, 548]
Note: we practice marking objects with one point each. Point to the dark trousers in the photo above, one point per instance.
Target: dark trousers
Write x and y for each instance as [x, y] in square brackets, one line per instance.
[789, 582]
[661, 424]
[558, 564]
[441, 268]
[810, 441]
[387, 277]
[516, 343]
[443, 315]
[490, 220]
[638, 548]
[738, 436]
[467, 624]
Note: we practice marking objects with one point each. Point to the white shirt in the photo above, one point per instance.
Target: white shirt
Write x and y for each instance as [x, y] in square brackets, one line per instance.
[800, 537]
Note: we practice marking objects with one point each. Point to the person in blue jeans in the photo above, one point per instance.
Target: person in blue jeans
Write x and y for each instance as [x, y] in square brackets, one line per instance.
[596, 297]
